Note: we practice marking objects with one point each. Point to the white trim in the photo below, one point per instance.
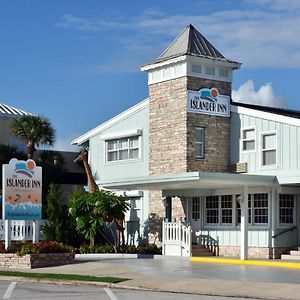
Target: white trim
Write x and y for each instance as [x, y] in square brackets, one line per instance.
[107, 162]
[242, 139]
[200, 143]
[268, 167]
[123, 134]
[163, 63]
[123, 115]
[265, 115]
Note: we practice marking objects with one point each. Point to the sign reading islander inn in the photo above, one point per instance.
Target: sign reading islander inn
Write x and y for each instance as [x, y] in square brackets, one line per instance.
[22, 190]
[209, 101]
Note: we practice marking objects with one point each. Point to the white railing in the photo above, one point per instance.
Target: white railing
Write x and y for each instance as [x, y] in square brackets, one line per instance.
[176, 239]
[21, 230]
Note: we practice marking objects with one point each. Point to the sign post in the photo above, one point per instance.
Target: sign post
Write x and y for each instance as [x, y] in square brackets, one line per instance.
[22, 194]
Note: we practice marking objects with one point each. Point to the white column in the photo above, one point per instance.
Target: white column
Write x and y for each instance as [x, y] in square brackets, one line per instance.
[273, 216]
[244, 225]
[35, 231]
[7, 235]
[163, 238]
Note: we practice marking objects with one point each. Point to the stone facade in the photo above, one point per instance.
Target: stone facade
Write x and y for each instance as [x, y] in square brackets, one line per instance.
[172, 137]
[172, 129]
[254, 252]
[29, 261]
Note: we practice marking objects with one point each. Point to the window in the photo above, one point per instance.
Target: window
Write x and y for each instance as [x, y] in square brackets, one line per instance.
[248, 139]
[196, 68]
[210, 71]
[134, 213]
[258, 209]
[196, 208]
[268, 149]
[286, 209]
[223, 73]
[219, 210]
[226, 209]
[212, 209]
[199, 142]
[123, 148]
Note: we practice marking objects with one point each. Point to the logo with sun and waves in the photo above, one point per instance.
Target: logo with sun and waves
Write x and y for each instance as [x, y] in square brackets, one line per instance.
[22, 190]
[208, 101]
[26, 168]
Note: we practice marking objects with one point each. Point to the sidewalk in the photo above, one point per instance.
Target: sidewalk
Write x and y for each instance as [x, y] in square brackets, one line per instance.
[170, 275]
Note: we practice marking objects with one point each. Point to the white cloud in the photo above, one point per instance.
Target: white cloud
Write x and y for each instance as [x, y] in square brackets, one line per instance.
[264, 96]
[258, 33]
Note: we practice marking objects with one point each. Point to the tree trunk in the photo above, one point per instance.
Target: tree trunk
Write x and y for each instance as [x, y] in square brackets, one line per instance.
[92, 241]
[30, 149]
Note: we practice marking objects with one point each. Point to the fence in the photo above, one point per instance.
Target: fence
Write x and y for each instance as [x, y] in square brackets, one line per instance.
[21, 230]
[176, 239]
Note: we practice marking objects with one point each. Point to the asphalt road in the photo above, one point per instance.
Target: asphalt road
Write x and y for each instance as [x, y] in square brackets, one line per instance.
[35, 291]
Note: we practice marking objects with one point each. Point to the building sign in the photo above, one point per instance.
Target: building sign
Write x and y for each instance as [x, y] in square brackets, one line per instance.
[209, 101]
[22, 190]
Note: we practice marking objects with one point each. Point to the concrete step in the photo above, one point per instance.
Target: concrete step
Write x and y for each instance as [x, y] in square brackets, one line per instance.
[294, 252]
[290, 257]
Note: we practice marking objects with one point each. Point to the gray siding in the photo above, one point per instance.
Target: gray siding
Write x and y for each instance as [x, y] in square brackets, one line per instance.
[106, 171]
[288, 144]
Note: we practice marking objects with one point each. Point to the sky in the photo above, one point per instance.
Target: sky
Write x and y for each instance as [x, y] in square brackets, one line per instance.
[78, 62]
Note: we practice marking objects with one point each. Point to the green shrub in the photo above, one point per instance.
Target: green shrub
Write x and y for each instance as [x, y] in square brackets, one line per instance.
[22, 248]
[149, 249]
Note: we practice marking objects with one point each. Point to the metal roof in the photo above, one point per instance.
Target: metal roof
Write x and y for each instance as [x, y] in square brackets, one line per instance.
[11, 111]
[192, 42]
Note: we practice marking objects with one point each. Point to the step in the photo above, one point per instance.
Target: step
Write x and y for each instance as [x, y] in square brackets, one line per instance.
[198, 250]
[294, 252]
[290, 257]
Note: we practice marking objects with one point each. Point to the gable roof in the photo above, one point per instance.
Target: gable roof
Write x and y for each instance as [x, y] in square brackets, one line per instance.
[11, 111]
[123, 115]
[191, 42]
[274, 110]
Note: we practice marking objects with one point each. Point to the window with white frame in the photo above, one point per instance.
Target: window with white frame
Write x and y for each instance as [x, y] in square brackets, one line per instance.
[199, 142]
[226, 209]
[223, 73]
[196, 68]
[196, 208]
[287, 209]
[258, 209]
[212, 209]
[248, 139]
[122, 148]
[134, 213]
[268, 148]
[210, 71]
[218, 210]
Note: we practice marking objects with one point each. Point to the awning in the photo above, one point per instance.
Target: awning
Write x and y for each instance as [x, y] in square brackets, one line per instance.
[191, 181]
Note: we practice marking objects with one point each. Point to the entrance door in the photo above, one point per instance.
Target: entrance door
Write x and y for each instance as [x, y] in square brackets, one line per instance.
[195, 217]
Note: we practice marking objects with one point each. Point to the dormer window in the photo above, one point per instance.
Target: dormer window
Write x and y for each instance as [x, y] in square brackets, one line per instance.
[196, 68]
[223, 73]
[210, 71]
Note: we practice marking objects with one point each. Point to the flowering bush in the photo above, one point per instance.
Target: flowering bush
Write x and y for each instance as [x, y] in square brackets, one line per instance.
[22, 248]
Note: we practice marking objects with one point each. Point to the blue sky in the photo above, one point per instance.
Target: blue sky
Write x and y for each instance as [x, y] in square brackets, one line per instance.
[77, 62]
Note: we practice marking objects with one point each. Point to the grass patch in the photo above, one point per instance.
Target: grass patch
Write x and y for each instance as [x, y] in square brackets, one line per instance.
[63, 276]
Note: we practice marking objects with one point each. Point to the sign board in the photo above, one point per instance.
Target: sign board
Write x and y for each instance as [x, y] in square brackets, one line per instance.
[209, 102]
[22, 190]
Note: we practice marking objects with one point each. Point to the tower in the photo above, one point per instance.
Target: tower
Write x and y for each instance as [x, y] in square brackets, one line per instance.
[188, 127]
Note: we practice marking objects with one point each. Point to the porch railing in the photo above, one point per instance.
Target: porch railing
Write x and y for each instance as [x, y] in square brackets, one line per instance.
[208, 242]
[21, 230]
[176, 239]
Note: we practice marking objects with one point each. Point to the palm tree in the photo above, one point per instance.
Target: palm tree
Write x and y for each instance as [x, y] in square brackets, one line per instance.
[34, 130]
